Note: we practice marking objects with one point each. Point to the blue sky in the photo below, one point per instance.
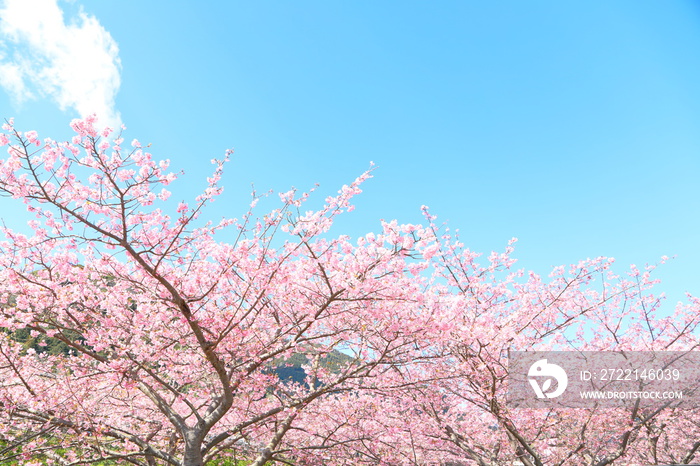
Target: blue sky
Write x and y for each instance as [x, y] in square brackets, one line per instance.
[573, 126]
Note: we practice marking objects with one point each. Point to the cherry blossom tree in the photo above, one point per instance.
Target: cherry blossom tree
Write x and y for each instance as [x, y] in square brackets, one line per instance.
[467, 407]
[175, 326]
[176, 330]
[452, 406]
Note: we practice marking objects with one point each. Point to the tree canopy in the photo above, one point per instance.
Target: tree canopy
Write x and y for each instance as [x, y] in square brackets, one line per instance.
[162, 330]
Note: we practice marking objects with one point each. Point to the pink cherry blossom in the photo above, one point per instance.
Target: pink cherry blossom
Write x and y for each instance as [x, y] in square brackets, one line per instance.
[176, 330]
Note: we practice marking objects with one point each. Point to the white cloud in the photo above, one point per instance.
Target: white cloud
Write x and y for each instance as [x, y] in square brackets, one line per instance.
[76, 64]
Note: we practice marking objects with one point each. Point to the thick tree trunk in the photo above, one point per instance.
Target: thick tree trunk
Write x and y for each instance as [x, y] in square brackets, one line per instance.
[193, 450]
